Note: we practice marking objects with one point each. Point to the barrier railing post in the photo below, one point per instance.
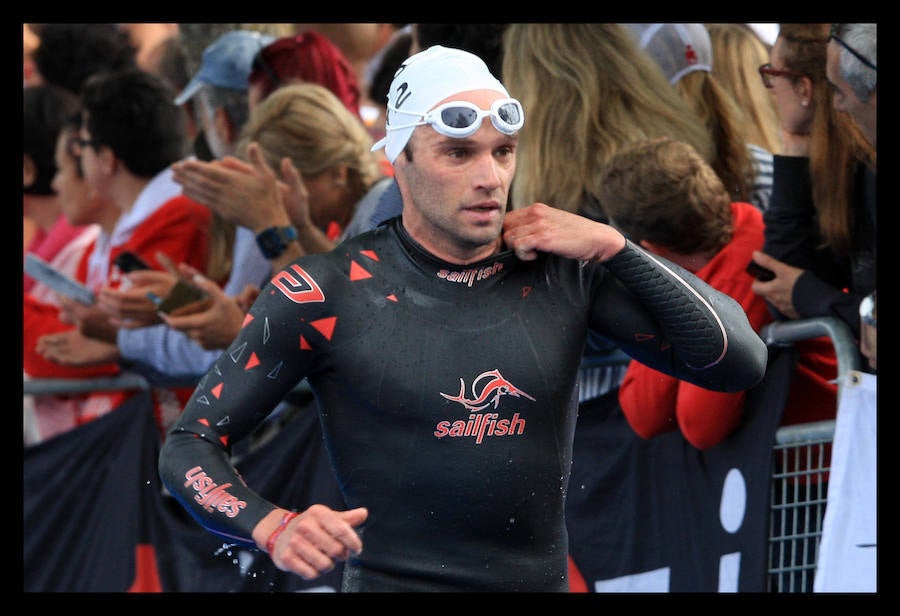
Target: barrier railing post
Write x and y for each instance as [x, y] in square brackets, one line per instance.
[800, 455]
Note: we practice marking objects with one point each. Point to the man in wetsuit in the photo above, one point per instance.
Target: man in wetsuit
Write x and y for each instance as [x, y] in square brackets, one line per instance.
[443, 349]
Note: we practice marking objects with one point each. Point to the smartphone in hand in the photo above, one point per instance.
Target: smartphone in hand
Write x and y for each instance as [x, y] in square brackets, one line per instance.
[184, 298]
[130, 262]
[759, 272]
[43, 272]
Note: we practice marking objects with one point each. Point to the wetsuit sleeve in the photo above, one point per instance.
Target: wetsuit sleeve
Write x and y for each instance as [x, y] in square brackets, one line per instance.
[693, 332]
[238, 392]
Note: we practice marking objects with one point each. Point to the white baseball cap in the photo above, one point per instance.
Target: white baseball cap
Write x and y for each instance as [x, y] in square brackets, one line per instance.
[679, 49]
[424, 80]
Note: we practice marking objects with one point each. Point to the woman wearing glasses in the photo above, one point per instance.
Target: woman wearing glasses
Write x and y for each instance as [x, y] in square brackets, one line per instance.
[819, 238]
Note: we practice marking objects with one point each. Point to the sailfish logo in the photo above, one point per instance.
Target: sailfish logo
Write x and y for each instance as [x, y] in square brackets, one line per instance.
[491, 392]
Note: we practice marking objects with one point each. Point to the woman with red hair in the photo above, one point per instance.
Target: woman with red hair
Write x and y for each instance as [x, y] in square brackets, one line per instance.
[303, 57]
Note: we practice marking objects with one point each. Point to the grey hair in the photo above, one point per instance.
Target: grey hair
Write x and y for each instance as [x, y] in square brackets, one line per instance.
[233, 101]
[864, 39]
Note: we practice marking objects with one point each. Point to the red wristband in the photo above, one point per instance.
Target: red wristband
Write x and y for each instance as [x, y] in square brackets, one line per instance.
[270, 543]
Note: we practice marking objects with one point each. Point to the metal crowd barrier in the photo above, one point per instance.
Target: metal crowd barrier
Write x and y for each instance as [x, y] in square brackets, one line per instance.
[122, 382]
[801, 454]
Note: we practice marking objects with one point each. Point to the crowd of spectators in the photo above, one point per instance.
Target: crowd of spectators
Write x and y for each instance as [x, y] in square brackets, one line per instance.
[219, 171]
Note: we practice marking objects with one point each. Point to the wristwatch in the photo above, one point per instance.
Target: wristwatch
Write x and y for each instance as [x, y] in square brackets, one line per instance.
[274, 241]
[867, 309]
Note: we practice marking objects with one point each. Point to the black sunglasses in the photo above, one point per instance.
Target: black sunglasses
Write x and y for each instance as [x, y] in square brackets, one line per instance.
[833, 36]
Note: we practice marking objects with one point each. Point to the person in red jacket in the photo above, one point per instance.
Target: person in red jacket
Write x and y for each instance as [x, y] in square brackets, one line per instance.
[664, 196]
[130, 134]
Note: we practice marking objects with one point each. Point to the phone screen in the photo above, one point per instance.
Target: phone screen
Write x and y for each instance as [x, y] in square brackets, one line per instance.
[182, 295]
[42, 271]
[130, 262]
[759, 272]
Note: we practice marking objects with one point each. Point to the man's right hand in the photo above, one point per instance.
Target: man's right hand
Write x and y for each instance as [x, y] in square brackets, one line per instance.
[311, 543]
[543, 228]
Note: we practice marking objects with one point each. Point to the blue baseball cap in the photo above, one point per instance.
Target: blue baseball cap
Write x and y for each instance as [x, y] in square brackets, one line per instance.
[226, 62]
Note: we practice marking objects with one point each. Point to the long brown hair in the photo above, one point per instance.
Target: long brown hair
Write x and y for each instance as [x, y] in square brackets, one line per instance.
[727, 127]
[837, 147]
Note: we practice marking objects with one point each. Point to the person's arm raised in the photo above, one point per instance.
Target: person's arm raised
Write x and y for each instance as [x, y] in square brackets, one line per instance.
[713, 342]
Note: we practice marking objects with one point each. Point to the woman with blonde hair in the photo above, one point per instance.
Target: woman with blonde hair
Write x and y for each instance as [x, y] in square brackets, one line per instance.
[738, 52]
[307, 172]
[589, 90]
[330, 148]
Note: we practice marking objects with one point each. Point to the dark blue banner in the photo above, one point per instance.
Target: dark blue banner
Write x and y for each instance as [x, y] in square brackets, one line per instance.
[659, 515]
[97, 519]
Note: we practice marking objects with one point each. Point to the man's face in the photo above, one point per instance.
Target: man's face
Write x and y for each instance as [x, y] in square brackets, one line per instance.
[455, 190]
[845, 99]
[213, 126]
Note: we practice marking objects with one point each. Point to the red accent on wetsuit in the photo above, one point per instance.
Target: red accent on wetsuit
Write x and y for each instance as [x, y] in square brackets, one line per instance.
[358, 272]
[146, 575]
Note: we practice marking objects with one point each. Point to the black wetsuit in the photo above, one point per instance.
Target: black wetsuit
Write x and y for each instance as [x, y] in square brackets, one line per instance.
[447, 397]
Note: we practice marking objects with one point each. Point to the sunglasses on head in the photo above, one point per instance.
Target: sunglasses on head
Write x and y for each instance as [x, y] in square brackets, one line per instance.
[462, 119]
[767, 72]
[833, 36]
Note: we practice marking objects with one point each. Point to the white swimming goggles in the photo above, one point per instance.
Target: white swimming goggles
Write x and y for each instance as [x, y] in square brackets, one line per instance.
[462, 119]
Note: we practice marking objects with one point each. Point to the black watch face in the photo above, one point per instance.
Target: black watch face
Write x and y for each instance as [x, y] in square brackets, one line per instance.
[274, 240]
[270, 243]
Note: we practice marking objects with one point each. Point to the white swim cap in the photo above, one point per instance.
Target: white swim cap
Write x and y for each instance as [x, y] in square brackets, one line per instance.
[424, 80]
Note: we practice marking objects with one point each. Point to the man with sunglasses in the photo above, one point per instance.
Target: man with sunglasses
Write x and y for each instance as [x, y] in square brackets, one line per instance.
[443, 349]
